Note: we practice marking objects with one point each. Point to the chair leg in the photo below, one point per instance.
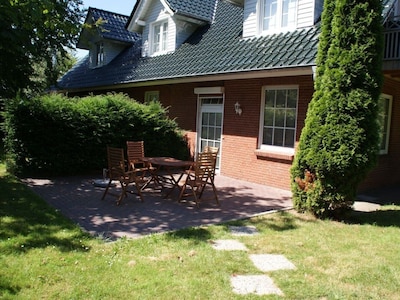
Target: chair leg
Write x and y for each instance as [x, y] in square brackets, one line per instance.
[194, 192]
[183, 189]
[106, 191]
[215, 194]
[123, 192]
[139, 190]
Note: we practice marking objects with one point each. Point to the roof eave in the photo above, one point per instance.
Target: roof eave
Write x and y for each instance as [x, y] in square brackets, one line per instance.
[301, 70]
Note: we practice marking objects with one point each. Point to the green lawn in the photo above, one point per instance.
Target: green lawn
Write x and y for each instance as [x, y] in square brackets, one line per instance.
[44, 256]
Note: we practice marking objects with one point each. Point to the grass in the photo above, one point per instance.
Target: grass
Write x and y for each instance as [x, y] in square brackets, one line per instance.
[43, 255]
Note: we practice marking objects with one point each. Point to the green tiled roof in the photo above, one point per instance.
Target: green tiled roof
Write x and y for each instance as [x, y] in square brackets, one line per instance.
[217, 48]
[201, 9]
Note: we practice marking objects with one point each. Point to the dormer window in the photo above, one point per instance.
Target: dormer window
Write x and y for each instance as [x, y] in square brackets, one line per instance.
[278, 15]
[159, 37]
[99, 54]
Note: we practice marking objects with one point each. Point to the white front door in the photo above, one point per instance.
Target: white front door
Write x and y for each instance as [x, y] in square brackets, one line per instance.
[210, 123]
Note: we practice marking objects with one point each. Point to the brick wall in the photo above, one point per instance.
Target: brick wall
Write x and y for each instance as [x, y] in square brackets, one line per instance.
[387, 172]
[241, 133]
[240, 158]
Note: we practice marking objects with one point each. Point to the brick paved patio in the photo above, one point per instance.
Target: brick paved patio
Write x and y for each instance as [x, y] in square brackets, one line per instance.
[78, 199]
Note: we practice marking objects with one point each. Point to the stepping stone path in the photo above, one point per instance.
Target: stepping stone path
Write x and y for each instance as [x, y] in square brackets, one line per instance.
[228, 245]
[254, 284]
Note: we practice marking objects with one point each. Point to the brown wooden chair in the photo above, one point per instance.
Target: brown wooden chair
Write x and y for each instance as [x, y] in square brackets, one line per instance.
[198, 177]
[117, 171]
[135, 153]
[214, 151]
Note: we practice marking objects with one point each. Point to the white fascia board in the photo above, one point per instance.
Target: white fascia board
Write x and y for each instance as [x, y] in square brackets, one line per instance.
[167, 8]
[135, 22]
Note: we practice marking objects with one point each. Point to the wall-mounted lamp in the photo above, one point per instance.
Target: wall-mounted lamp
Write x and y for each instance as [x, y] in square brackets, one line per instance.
[238, 109]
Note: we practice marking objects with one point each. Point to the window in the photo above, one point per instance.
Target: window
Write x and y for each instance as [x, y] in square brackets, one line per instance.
[279, 117]
[278, 14]
[385, 111]
[151, 96]
[159, 37]
[99, 54]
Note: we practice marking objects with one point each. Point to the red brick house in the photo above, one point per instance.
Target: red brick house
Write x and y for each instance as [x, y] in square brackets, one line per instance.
[237, 74]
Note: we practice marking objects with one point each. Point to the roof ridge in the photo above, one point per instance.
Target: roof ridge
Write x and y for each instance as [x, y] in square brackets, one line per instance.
[107, 11]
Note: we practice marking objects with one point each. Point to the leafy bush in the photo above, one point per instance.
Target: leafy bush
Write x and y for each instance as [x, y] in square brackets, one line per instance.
[60, 135]
[339, 143]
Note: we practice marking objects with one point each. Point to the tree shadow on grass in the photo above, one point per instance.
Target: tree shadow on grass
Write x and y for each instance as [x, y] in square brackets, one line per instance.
[8, 288]
[28, 222]
[279, 221]
[192, 233]
[388, 216]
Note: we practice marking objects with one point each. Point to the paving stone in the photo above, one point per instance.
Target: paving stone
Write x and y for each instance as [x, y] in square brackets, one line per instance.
[228, 245]
[271, 262]
[243, 230]
[254, 284]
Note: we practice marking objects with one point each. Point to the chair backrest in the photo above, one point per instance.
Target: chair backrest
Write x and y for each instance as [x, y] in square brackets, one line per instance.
[211, 149]
[204, 165]
[214, 152]
[116, 162]
[135, 151]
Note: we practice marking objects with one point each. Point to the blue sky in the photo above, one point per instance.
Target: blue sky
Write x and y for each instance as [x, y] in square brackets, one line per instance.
[119, 6]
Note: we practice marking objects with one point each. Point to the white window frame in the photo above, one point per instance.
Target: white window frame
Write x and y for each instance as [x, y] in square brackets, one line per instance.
[385, 129]
[163, 36]
[278, 17]
[151, 96]
[99, 54]
[275, 148]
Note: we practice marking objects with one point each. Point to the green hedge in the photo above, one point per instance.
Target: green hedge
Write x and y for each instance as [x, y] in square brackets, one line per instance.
[53, 134]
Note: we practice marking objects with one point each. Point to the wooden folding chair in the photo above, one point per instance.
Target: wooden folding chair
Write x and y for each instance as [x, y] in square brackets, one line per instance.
[198, 177]
[117, 171]
[135, 153]
[214, 151]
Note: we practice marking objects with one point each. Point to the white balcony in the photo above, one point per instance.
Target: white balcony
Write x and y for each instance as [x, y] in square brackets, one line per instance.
[392, 39]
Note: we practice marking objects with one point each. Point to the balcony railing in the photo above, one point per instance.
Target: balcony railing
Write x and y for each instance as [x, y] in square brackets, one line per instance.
[392, 39]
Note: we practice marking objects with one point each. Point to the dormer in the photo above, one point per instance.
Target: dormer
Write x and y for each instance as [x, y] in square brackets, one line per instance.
[264, 17]
[166, 24]
[105, 36]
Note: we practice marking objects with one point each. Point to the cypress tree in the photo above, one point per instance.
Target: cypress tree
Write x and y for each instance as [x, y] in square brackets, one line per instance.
[339, 143]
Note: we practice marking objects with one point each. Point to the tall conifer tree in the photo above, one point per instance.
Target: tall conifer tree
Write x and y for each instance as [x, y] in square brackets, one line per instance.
[339, 142]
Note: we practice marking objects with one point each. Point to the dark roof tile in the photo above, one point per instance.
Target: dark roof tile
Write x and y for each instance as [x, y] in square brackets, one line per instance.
[200, 9]
[113, 27]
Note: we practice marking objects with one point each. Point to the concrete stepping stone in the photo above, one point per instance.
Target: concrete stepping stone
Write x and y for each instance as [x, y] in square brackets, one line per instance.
[228, 245]
[271, 262]
[243, 230]
[254, 284]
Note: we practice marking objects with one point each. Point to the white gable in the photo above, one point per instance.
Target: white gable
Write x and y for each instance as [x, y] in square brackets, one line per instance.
[157, 13]
[151, 13]
[308, 12]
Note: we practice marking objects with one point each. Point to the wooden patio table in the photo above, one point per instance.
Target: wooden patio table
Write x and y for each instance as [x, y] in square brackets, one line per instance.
[166, 169]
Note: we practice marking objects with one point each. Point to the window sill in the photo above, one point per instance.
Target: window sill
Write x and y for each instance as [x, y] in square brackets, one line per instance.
[275, 154]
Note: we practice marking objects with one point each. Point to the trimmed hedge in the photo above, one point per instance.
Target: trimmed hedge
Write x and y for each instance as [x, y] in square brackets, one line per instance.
[53, 134]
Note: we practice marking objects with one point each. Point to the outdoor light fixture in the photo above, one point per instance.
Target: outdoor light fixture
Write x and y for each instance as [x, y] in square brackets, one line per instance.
[238, 109]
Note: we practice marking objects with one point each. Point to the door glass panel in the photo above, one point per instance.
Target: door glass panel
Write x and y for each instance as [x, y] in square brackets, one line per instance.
[211, 124]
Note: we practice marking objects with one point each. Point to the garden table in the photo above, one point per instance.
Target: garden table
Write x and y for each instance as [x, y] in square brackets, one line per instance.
[168, 171]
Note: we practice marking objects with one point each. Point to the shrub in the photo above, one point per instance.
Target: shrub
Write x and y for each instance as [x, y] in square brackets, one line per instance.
[59, 135]
[339, 143]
